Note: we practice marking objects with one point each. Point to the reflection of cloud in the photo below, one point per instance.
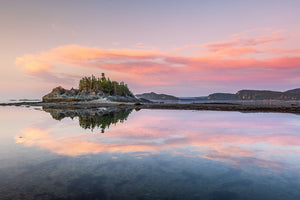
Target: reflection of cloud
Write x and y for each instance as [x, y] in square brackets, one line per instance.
[243, 162]
[34, 136]
[240, 142]
[222, 62]
[77, 144]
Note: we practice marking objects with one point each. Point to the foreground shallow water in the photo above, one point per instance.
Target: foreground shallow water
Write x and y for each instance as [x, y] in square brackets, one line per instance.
[149, 154]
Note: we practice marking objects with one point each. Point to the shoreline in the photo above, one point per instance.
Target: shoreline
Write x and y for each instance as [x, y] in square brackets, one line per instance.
[293, 108]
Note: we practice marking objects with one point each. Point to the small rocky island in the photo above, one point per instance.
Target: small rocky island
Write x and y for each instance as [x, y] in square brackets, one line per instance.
[92, 88]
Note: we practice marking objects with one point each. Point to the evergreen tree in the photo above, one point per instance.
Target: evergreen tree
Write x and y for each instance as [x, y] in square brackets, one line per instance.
[93, 84]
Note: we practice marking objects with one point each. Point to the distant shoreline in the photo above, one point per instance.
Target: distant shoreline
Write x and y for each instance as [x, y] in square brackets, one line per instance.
[292, 108]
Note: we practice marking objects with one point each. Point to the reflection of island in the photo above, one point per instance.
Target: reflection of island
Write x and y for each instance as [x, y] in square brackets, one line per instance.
[243, 141]
[92, 118]
[90, 122]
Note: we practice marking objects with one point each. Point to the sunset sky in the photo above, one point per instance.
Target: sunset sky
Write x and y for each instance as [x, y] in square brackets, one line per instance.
[183, 48]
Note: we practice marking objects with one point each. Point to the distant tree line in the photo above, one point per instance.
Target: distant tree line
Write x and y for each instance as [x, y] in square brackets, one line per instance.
[93, 84]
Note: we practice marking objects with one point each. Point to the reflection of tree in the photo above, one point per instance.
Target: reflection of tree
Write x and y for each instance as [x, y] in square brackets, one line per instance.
[104, 121]
[92, 118]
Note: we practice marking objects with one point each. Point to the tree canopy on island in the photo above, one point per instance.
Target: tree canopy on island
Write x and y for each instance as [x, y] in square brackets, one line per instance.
[93, 84]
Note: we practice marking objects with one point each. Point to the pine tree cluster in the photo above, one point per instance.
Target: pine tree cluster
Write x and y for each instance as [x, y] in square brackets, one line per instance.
[93, 84]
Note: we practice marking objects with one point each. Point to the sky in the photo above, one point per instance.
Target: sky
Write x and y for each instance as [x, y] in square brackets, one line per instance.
[183, 48]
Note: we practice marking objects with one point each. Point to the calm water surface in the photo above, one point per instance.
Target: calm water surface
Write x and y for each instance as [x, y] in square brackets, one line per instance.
[149, 154]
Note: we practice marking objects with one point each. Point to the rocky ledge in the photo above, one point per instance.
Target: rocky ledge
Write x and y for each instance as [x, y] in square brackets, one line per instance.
[60, 94]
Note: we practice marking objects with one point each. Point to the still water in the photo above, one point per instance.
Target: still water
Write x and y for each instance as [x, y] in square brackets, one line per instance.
[148, 154]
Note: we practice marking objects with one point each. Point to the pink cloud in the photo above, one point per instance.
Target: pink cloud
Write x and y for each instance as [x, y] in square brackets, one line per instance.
[261, 40]
[223, 61]
[222, 44]
[285, 51]
[243, 45]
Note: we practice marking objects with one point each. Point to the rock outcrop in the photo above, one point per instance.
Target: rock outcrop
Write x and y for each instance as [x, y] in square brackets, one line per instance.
[59, 94]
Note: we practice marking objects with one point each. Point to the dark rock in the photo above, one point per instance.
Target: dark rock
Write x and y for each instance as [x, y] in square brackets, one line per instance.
[137, 104]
